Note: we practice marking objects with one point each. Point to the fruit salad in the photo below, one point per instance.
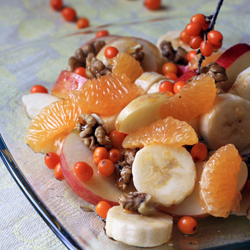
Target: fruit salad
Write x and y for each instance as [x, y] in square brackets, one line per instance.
[154, 136]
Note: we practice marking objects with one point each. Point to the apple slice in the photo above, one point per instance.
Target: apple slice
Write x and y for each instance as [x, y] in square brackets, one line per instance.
[35, 102]
[152, 61]
[234, 60]
[187, 75]
[99, 187]
[192, 206]
[66, 82]
[141, 112]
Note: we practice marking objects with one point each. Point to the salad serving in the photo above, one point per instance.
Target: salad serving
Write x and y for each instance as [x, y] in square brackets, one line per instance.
[154, 136]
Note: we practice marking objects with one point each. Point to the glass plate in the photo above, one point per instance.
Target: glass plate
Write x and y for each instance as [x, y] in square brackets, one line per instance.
[41, 62]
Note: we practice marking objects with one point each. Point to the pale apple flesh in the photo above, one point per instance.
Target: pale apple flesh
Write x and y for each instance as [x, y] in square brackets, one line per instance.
[141, 112]
[234, 60]
[99, 187]
[67, 82]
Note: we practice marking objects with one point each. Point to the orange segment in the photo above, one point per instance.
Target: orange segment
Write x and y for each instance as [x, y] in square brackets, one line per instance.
[49, 128]
[168, 131]
[192, 100]
[219, 180]
[126, 64]
[106, 95]
[193, 64]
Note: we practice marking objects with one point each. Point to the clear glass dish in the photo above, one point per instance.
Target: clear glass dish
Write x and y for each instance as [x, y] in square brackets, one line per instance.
[41, 62]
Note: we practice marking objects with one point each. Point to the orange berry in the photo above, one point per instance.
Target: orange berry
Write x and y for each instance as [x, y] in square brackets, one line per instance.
[100, 153]
[83, 171]
[217, 47]
[185, 37]
[215, 37]
[169, 67]
[58, 172]
[193, 29]
[51, 160]
[102, 209]
[117, 139]
[101, 33]
[152, 4]
[56, 4]
[199, 152]
[191, 54]
[38, 89]
[195, 42]
[206, 48]
[114, 155]
[198, 18]
[106, 167]
[111, 52]
[81, 71]
[69, 14]
[166, 86]
[82, 23]
[171, 76]
[187, 225]
[178, 85]
[205, 26]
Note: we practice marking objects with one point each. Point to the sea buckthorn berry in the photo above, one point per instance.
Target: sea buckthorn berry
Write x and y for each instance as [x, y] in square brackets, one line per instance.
[106, 167]
[81, 71]
[171, 76]
[198, 18]
[69, 14]
[199, 152]
[178, 85]
[187, 225]
[111, 52]
[102, 209]
[58, 172]
[195, 42]
[166, 86]
[83, 171]
[152, 4]
[215, 37]
[38, 89]
[117, 139]
[51, 160]
[205, 26]
[169, 67]
[193, 29]
[191, 54]
[56, 4]
[206, 48]
[185, 37]
[114, 155]
[101, 33]
[217, 47]
[100, 153]
[82, 23]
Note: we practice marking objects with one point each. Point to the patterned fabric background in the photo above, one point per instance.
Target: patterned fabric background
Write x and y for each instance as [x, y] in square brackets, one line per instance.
[34, 49]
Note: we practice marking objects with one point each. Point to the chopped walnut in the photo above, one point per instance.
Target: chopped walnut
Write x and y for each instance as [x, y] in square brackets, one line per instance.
[95, 68]
[137, 202]
[216, 71]
[79, 60]
[178, 56]
[124, 169]
[137, 52]
[92, 131]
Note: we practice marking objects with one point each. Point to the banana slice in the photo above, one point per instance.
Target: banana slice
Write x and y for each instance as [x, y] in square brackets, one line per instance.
[226, 122]
[147, 79]
[138, 230]
[174, 37]
[165, 172]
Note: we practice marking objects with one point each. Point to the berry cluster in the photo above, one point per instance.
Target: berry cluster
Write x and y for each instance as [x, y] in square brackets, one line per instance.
[200, 35]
